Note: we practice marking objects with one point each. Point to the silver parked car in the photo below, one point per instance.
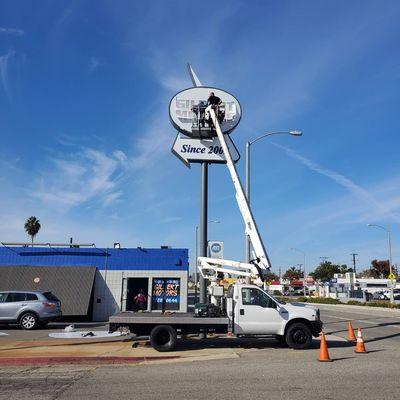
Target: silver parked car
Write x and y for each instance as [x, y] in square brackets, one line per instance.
[29, 309]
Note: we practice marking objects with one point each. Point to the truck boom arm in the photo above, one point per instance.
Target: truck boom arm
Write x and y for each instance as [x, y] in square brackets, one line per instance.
[261, 262]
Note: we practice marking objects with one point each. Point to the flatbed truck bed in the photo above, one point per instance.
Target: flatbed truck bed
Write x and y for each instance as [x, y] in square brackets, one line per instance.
[142, 323]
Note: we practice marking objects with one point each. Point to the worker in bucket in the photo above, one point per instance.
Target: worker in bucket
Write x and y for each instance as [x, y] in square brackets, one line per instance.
[213, 102]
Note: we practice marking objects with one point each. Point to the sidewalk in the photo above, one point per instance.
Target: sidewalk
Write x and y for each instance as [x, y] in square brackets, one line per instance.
[77, 351]
[132, 351]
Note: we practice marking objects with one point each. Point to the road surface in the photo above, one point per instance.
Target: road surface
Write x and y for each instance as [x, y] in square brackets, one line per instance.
[268, 371]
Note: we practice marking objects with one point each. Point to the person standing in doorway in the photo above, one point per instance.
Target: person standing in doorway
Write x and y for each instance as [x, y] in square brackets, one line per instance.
[140, 301]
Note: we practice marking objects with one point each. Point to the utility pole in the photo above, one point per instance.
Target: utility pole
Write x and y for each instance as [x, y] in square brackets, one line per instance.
[354, 261]
[324, 259]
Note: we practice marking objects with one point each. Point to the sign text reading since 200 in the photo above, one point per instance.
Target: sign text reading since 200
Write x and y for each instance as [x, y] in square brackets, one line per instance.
[187, 148]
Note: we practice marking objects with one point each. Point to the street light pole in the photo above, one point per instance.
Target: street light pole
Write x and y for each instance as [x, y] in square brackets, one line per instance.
[247, 183]
[389, 239]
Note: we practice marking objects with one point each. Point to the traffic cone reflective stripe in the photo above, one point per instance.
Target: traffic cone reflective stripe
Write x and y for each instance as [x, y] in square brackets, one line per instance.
[350, 337]
[360, 346]
[323, 350]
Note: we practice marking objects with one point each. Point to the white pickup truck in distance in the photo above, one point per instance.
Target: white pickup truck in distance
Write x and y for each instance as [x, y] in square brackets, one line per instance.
[248, 311]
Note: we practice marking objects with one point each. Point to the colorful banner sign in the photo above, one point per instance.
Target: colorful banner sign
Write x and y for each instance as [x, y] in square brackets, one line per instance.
[166, 290]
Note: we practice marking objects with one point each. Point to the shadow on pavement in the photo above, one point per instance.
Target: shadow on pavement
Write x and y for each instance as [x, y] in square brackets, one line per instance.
[264, 343]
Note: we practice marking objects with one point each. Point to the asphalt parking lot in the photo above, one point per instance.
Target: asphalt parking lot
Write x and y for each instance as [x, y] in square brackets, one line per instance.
[266, 370]
[16, 333]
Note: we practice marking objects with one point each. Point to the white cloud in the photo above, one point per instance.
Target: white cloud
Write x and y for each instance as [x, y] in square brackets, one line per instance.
[380, 202]
[87, 175]
[12, 31]
[4, 66]
[94, 63]
[153, 144]
[342, 180]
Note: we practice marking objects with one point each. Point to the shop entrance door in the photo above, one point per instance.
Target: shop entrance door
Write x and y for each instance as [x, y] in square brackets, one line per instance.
[137, 289]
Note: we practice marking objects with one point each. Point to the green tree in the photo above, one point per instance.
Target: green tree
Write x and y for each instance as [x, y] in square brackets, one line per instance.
[378, 269]
[293, 274]
[32, 227]
[270, 277]
[326, 270]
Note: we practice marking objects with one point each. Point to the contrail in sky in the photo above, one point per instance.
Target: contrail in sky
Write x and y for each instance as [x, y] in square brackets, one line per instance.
[335, 176]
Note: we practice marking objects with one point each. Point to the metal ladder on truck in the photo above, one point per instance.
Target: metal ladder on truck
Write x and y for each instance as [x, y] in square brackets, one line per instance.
[209, 267]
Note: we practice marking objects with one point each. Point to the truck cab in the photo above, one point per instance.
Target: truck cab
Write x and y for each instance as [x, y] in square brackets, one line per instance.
[252, 311]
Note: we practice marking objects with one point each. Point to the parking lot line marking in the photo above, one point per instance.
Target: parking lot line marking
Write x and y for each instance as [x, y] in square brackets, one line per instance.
[334, 316]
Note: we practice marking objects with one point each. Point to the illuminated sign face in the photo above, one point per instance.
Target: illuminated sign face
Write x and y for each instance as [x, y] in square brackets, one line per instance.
[167, 291]
[189, 114]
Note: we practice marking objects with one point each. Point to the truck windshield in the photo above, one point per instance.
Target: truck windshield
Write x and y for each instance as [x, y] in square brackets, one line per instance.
[275, 299]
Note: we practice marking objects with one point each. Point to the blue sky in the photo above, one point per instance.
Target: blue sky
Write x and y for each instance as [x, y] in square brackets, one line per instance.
[85, 135]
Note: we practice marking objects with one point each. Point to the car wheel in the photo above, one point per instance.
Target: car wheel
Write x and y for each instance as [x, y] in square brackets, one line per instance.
[29, 321]
[298, 336]
[163, 338]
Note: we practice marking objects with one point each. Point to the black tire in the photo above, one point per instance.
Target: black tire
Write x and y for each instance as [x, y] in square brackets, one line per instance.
[163, 338]
[29, 321]
[298, 336]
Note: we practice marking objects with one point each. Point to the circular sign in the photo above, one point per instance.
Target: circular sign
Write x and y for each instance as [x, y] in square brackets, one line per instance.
[36, 280]
[188, 111]
[216, 247]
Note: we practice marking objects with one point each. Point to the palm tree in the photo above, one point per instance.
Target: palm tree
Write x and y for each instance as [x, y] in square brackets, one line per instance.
[32, 227]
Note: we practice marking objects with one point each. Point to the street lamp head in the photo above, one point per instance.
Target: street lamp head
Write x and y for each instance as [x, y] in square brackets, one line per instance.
[296, 133]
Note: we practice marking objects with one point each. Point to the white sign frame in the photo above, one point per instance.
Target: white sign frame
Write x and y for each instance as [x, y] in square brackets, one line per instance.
[190, 150]
[181, 114]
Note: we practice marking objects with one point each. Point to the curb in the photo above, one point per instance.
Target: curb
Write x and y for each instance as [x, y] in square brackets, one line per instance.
[17, 361]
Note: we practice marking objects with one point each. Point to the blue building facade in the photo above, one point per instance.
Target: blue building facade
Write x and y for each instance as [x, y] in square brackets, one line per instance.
[123, 276]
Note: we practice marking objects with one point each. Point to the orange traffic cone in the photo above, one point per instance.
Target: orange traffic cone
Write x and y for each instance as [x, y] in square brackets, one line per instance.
[350, 337]
[323, 350]
[360, 346]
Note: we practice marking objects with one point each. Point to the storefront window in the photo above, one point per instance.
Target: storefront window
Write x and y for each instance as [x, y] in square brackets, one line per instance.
[166, 290]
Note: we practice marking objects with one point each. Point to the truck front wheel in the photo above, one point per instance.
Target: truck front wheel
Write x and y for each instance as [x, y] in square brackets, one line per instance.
[298, 336]
[163, 338]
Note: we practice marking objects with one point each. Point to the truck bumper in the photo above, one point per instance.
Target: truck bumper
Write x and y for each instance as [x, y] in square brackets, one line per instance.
[316, 327]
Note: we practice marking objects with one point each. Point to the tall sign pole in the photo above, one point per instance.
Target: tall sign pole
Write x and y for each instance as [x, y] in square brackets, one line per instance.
[203, 224]
[204, 204]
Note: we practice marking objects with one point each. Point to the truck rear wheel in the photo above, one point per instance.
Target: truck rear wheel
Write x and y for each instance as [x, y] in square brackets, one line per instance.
[298, 336]
[163, 338]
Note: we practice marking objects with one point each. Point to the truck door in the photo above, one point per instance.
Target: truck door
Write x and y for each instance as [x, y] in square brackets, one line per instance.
[257, 313]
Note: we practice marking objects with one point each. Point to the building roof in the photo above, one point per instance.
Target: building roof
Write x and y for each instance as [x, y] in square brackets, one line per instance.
[102, 258]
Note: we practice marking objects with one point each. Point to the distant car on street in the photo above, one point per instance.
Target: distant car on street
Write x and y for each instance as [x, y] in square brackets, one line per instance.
[385, 295]
[29, 309]
[378, 296]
